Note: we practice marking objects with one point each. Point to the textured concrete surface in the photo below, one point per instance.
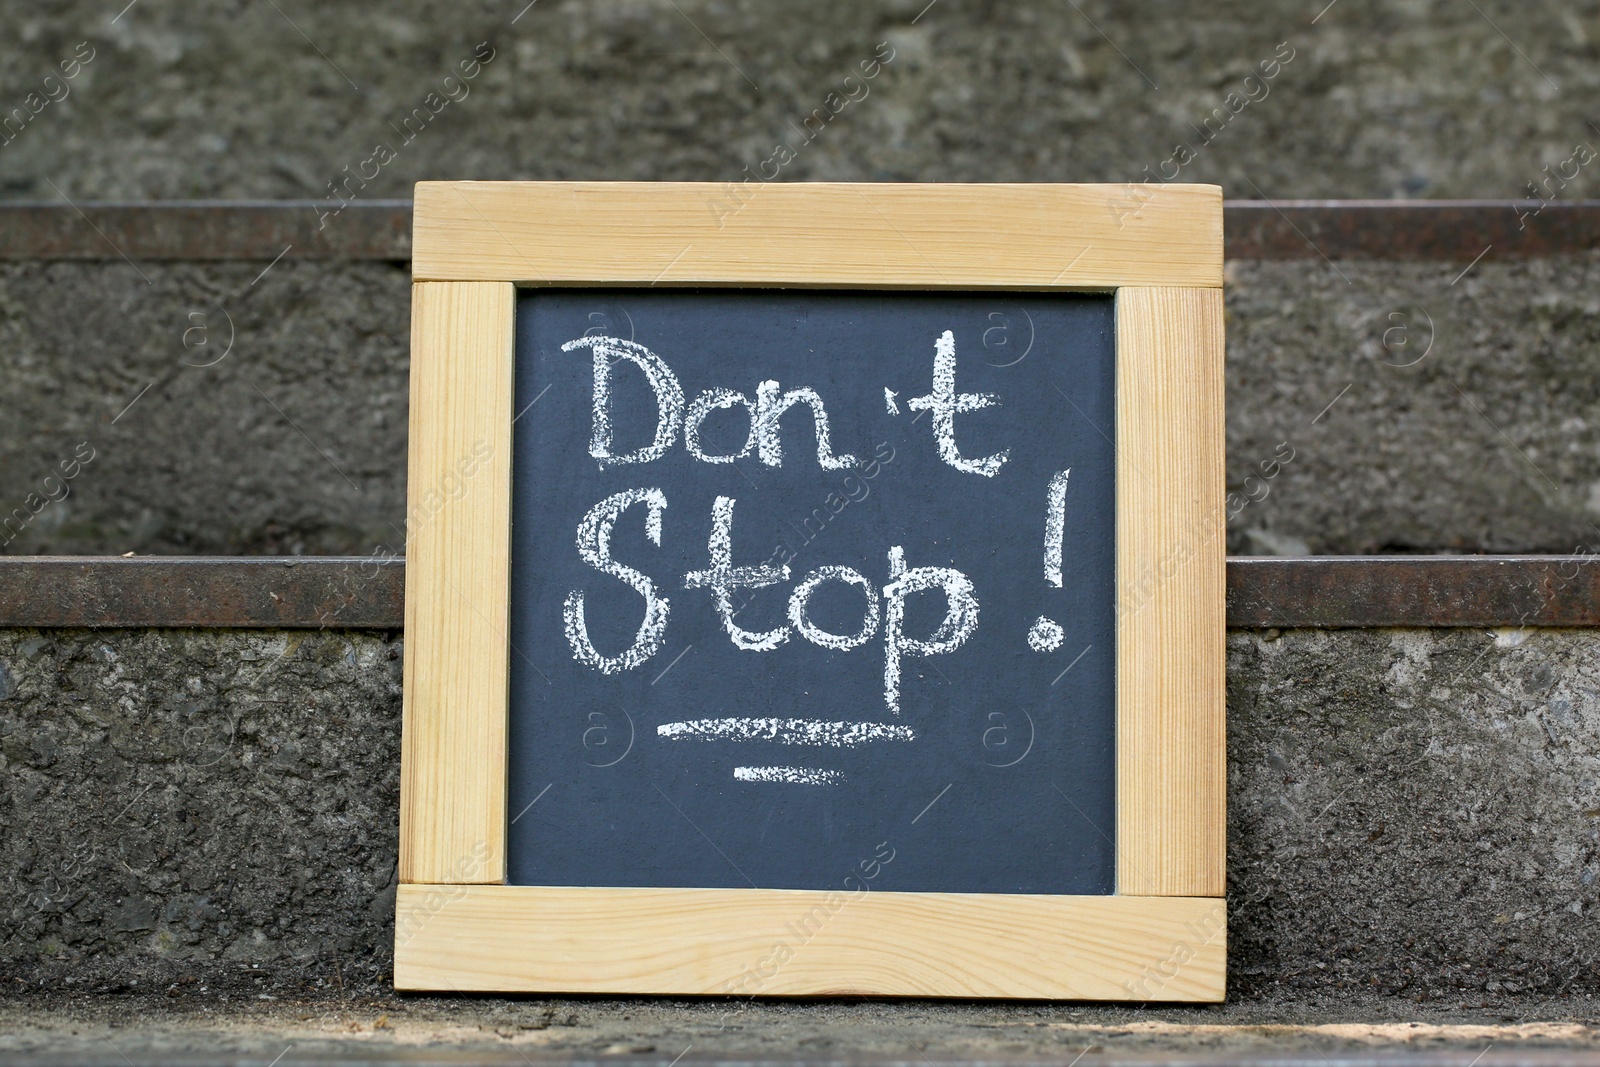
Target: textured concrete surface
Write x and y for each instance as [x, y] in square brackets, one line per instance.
[186, 807]
[227, 412]
[1429, 99]
[1428, 410]
[1462, 418]
[1414, 812]
[1414, 815]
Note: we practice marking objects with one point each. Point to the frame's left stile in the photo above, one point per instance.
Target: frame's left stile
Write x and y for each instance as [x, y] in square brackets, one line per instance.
[458, 562]
[1162, 935]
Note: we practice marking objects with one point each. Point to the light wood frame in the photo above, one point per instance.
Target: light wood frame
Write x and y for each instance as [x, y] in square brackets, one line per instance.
[1162, 936]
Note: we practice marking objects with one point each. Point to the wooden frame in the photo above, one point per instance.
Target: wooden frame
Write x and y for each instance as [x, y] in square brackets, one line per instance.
[1162, 936]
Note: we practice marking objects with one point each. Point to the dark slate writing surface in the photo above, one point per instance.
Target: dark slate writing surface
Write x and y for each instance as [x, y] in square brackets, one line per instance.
[669, 756]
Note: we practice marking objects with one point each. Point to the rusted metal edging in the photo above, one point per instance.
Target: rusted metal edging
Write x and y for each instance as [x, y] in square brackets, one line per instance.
[271, 593]
[1448, 230]
[227, 592]
[1365, 591]
[206, 230]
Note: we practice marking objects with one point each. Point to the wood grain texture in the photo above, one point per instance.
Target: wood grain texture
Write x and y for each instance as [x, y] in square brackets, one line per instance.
[1171, 758]
[872, 235]
[806, 942]
[458, 526]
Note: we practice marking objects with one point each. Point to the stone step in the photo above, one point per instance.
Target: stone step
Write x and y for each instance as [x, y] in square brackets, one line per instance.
[1432, 400]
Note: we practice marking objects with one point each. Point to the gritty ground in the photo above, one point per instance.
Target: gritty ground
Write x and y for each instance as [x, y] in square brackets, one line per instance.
[146, 1027]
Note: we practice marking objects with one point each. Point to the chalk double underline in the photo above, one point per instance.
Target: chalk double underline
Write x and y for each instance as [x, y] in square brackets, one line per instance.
[786, 732]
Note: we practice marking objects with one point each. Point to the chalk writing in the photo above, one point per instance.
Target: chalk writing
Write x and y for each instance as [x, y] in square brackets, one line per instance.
[946, 403]
[883, 610]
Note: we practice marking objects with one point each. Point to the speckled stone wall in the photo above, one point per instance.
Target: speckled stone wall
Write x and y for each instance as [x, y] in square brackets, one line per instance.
[233, 99]
[1411, 813]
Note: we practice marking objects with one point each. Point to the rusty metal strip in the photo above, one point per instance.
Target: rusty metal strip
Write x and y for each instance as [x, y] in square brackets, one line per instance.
[269, 593]
[1449, 230]
[1364, 591]
[206, 230]
[262, 593]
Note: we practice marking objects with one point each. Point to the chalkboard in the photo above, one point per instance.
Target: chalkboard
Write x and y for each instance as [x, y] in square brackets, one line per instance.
[803, 581]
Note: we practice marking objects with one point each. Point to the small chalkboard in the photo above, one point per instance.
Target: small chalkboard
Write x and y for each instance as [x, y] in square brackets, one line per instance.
[824, 597]
[796, 576]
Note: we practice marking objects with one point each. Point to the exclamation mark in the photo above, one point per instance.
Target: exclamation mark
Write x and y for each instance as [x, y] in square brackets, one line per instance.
[1046, 634]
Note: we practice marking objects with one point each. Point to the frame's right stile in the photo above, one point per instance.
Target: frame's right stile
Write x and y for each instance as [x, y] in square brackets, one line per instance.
[1171, 597]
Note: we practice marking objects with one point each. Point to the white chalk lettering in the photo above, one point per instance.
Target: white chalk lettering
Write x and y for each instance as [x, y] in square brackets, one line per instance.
[594, 545]
[959, 623]
[703, 405]
[722, 578]
[608, 352]
[1055, 522]
[1045, 635]
[946, 404]
[810, 631]
[770, 406]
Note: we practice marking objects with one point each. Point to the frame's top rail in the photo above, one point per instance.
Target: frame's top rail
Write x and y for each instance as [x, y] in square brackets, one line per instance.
[885, 235]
